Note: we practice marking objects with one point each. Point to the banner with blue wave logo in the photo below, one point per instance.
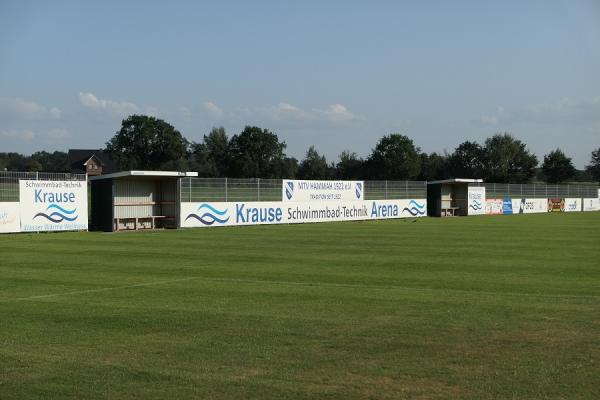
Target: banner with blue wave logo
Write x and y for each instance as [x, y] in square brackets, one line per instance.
[282, 212]
[415, 208]
[53, 205]
[207, 214]
[476, 200]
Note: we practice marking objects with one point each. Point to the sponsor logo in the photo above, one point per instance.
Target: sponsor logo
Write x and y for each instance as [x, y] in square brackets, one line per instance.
[359, 190]
[414, 208]
[57, 214]
[475, 205]
[289, 190]
[208, 215]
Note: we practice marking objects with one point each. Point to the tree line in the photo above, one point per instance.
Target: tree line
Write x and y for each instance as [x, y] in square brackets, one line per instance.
[149, 143]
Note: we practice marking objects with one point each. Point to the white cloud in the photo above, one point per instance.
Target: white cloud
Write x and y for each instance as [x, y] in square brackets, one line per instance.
[120, 108]
[283, 113]
[28, 110]
[337, 113]
[24, 135]
[566, 110]
[213, 110]
[57, 134]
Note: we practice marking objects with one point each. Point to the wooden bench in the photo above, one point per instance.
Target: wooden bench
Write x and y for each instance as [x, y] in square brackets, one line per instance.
[449, 211]
[137, 220]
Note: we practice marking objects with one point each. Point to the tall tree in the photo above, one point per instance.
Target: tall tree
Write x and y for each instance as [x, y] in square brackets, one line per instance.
[394, 157]
[289, 167]
[145, 142]
[256, 153]
[57, 161]
[467, 161]
[507, 160]
[594, 167]
[557, 167]
[14, 162]
[212, 155]
[314, 166]
[350, 166]
[433, 166]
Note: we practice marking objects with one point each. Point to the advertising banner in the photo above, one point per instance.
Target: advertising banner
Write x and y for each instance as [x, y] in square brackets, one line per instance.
[493, 206]
[591, 205]
[476, 200]
[53, 205]
[530, 206]
[556, 205]
[507, 206]
[304, 190]
[572, 205]
[9, 217]
[516, 206]
[259, 213]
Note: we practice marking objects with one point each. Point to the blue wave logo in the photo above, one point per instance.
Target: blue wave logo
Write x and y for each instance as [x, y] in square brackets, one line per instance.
[358, 190]
[210, 215]
[289, 190]
[414, 208]
[476, 205]
[56, 214]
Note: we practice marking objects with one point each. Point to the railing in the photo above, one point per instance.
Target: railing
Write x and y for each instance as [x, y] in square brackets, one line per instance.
[9, 181]
[227, 189]
[542, 190]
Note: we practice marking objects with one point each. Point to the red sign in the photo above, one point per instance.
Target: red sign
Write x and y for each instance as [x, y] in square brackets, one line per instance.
[556, 205]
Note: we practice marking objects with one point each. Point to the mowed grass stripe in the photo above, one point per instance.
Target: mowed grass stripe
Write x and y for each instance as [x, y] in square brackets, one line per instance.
[486, 307]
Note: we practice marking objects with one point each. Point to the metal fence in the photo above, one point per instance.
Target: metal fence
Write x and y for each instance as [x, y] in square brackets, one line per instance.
[542, 190]
[9, 181]
[227, 189]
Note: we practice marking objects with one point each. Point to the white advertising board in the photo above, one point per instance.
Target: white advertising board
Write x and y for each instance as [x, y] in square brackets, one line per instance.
[493, 206]
[9, 217]
[259, 213]
[572, 204]
[476, 200]
[530, 206]
[53, 205]
[305, 190]
[516, 206]
[591, 205]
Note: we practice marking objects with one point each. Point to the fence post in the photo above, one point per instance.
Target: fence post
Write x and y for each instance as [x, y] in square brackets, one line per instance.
[226, 189]
[386, 194]
[258, 188]
[190, 189]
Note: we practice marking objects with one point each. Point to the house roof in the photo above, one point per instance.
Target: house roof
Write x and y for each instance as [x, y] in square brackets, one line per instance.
[79, 157]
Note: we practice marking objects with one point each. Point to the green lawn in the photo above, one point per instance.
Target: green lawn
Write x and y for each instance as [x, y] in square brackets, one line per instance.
[501, 307]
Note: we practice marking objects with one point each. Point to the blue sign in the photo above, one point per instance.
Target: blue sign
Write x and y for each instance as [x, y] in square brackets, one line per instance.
[507, 206]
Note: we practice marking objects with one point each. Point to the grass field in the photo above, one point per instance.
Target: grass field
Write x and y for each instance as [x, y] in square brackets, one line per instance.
[482, 307]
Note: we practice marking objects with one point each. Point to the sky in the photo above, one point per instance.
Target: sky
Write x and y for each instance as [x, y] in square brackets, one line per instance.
[334, 74]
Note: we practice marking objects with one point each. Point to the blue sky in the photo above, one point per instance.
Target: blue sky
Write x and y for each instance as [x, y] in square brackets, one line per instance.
[337, 74]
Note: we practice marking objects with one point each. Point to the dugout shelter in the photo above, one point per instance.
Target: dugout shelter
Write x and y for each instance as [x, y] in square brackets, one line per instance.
[448, 197]
[134, 200]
